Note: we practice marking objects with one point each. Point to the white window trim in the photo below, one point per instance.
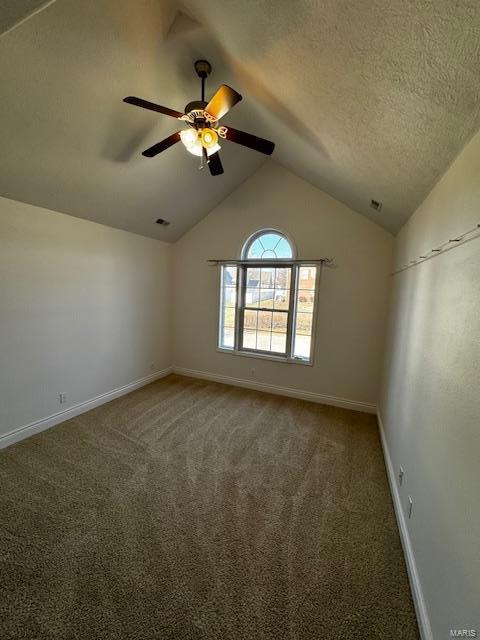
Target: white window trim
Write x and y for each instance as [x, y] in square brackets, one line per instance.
[257, 354]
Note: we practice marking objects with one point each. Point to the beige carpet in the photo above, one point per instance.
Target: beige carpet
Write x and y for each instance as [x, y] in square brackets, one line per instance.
[189, 510]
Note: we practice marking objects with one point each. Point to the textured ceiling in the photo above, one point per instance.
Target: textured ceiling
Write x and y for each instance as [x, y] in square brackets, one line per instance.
[364, 98]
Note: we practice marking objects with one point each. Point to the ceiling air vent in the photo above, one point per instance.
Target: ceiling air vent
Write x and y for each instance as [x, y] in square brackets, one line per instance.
[163, 222]
[375, 204]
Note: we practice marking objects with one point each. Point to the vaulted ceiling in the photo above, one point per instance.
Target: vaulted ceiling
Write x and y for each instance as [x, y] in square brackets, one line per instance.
[364, 99]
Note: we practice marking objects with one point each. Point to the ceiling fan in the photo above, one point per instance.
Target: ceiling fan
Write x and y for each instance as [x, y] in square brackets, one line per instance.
[202, 136]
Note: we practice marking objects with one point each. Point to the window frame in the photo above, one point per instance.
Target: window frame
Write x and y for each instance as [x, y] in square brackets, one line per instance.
[241, 288]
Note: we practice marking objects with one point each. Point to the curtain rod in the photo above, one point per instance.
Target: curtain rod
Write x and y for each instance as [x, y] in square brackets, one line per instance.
[273, 261]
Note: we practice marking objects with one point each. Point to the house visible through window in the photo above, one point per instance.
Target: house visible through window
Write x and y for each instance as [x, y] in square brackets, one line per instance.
[267, 301]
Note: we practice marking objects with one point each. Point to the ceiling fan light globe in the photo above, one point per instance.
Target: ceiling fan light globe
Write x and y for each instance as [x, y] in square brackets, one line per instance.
[189, 137]
[209, 138]
[216, 147]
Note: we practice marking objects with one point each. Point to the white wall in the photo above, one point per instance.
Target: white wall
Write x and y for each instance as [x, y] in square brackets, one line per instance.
[353, 296]
[84, 309]
[430, 403]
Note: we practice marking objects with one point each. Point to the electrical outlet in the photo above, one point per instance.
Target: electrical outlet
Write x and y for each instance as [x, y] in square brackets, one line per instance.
[410, 506]
[401, 473]
[62, 397]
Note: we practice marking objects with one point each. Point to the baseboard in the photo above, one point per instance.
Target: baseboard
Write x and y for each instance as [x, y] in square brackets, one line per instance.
[320, 398]
[415, 585]
[45, 423]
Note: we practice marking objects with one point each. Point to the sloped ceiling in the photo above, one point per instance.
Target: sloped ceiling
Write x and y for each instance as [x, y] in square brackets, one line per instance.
[364, 99]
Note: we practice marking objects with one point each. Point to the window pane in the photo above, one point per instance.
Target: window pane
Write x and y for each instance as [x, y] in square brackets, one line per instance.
[266, 298]
[269, 240]
[249, 339]
[227, 306]
[279, 343]
[279, 322]
[306, 277]
[305, 300]
[267, 278]
[304, 323]
[229, 317]
[253, 277]
[250, 319]
[283, 249]
[303, 332]
[282, 297]
[252, 296]
[250, 329]
[229, 276]
[264, 320]
[263, 340]
[228, 338]
[269, 254]
[264, 330]
[282, 278]
[255, 250]
[279, 332]
[229, 296]
[301, 348]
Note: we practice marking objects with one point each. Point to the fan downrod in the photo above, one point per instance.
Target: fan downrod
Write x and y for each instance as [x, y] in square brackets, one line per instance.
[203, 69]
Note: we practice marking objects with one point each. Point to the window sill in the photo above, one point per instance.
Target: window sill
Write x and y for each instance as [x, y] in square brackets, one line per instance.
[261, 356]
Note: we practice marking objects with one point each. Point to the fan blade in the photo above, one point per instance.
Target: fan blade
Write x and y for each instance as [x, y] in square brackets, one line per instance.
[249, 140]
[215, 164]
[145, 104]
[224, 99]
[161, 146]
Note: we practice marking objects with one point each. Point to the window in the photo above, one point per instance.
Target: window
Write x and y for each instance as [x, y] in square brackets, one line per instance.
[267, 301]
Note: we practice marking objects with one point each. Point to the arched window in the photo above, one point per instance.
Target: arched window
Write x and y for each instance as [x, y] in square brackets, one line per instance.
[267, 300]
[267, 245]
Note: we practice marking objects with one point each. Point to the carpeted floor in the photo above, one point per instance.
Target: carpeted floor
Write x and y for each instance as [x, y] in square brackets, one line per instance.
[189, 510]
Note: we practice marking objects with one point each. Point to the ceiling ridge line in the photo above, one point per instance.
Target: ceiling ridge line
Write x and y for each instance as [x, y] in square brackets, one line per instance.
[27, 17]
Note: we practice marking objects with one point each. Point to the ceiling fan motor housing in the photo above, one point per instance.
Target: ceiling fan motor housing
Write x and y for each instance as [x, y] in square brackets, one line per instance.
[195, 105]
